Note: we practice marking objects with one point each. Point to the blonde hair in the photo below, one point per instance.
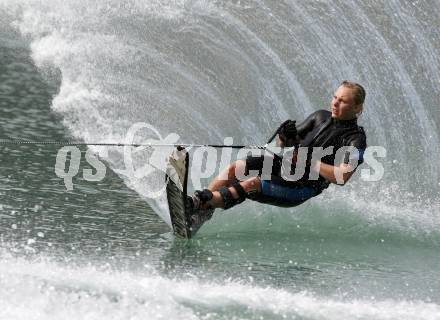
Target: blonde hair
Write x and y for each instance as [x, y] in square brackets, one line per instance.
[359, 91]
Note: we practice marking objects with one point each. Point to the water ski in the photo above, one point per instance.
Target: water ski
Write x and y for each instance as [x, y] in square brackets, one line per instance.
[184, 219]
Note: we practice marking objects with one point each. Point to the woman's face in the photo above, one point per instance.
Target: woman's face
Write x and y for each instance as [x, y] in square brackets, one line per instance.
[343, 106]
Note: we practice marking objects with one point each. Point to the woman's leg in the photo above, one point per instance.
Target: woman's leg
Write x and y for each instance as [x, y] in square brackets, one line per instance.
[228, 175]
[231, 194]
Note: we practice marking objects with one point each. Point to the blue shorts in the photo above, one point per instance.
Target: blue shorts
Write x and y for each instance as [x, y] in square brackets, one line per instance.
[277, 191]
[289, 195]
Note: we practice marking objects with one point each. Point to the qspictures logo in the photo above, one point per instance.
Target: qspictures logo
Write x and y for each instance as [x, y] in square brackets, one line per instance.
[206, 159]
[68, 159]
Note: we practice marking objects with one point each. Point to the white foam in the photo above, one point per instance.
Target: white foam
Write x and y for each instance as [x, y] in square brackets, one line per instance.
[46, 290]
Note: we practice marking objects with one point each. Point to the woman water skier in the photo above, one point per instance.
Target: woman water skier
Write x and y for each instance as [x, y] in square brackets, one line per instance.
[336, 129]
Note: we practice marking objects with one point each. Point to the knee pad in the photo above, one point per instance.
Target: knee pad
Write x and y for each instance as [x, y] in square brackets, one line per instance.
[228, 199]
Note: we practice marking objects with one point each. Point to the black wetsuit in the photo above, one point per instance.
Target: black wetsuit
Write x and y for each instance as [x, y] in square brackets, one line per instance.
[318, 130]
